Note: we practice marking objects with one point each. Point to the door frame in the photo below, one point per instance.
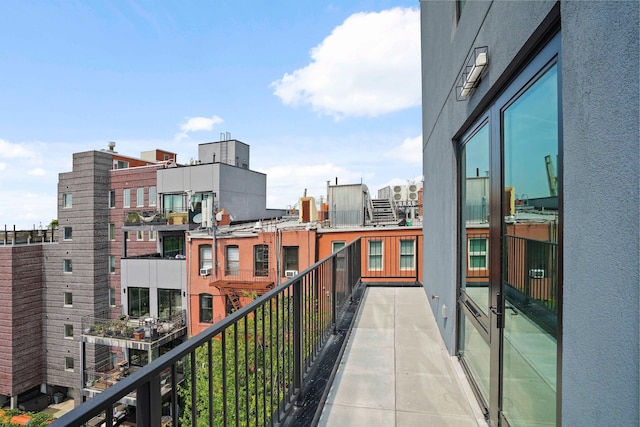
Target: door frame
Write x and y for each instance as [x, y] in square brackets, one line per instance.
[491, 325]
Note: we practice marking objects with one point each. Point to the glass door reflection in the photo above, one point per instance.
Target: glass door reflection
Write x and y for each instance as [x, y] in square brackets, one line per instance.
[530, 264]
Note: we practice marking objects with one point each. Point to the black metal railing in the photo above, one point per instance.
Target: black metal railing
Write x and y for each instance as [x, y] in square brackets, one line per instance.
[531, 279]
[247, 369]
[18, 237]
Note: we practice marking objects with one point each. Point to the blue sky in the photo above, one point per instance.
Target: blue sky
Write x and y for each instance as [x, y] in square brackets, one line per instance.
[319, 90]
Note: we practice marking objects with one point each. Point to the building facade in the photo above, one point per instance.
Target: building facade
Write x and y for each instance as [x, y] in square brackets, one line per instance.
[536, 254]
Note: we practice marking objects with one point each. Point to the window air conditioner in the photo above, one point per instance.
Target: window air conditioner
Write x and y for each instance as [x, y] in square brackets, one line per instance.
[290, 273]
[205, 271]
[536, 273]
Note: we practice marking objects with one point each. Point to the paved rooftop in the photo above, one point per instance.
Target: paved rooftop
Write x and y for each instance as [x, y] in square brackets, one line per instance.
[396, 371]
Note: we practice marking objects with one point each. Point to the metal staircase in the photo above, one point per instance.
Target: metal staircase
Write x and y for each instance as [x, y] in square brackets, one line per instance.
[384, 211]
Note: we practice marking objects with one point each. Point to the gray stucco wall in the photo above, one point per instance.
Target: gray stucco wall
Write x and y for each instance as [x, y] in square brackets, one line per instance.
[601, 136]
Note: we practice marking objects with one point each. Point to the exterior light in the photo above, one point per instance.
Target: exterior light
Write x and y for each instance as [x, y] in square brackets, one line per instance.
[471, 73]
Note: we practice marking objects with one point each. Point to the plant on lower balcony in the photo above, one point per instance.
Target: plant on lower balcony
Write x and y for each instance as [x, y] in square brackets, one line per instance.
[133, 218]
[35, 419]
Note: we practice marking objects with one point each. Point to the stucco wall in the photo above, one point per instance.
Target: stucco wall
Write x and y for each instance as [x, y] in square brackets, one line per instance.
[600, 112]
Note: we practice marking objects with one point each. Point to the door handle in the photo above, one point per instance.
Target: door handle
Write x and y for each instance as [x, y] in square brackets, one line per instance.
[499, 315]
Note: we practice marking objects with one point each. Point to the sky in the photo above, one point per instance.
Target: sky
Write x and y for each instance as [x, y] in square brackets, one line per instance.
[319, 90]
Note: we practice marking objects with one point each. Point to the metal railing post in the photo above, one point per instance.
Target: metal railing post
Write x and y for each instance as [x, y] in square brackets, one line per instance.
[334, 294]
[149, 403]
[297, 338]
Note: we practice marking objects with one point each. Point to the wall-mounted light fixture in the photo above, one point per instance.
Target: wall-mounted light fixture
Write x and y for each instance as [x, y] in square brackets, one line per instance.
[471, 73]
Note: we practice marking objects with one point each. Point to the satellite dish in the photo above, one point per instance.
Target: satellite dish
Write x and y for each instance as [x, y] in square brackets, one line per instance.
[197, 218]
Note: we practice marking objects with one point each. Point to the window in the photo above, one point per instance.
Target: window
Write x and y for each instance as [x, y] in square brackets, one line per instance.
[126, 198]
[68, 331]
[140, 197]
[152, 235]
[67, 233]
[112, 297]
[112, 231]
[140, 235]
[206, 308]
[477, 254]
[120, 164]
[152, 196]
[127, 236]
[205, 256]
[173, 203]
[375, 255]
[138, 302]
[261, 260]
[173, 245]
[407, 254]
[138, 357]
[68, 364]
[112, 264]
[290, 258]
[232, 260]
[198, 198]
[337, 245]
[112, 199]
[68, 299]
[67, 200]
[169, 302]
[68, 268]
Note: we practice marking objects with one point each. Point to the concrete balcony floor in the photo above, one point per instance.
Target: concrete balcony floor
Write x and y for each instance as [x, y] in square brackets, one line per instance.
[396, 370]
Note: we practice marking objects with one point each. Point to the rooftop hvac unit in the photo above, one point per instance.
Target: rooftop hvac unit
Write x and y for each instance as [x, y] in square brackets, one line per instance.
[290, 273]
[205, 271]
[412, 192]
[399, 193]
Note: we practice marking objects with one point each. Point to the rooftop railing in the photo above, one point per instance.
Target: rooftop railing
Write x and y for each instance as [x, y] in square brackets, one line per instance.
[250, 368]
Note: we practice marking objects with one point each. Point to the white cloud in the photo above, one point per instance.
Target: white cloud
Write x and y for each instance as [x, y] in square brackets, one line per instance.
[3, 166]
[368, 66]
[409, 151]
[37, 172]
[197, 124]
[9, 150]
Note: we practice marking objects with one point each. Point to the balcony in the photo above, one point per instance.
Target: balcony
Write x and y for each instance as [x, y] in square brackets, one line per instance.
[144, 217]
[133, 333]
[321, 347]
[144, 337]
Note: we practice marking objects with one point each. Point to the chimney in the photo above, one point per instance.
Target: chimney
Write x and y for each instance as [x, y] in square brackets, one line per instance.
[111, 145]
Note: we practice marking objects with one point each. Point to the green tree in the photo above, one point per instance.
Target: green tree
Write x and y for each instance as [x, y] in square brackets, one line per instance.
[251, 369]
